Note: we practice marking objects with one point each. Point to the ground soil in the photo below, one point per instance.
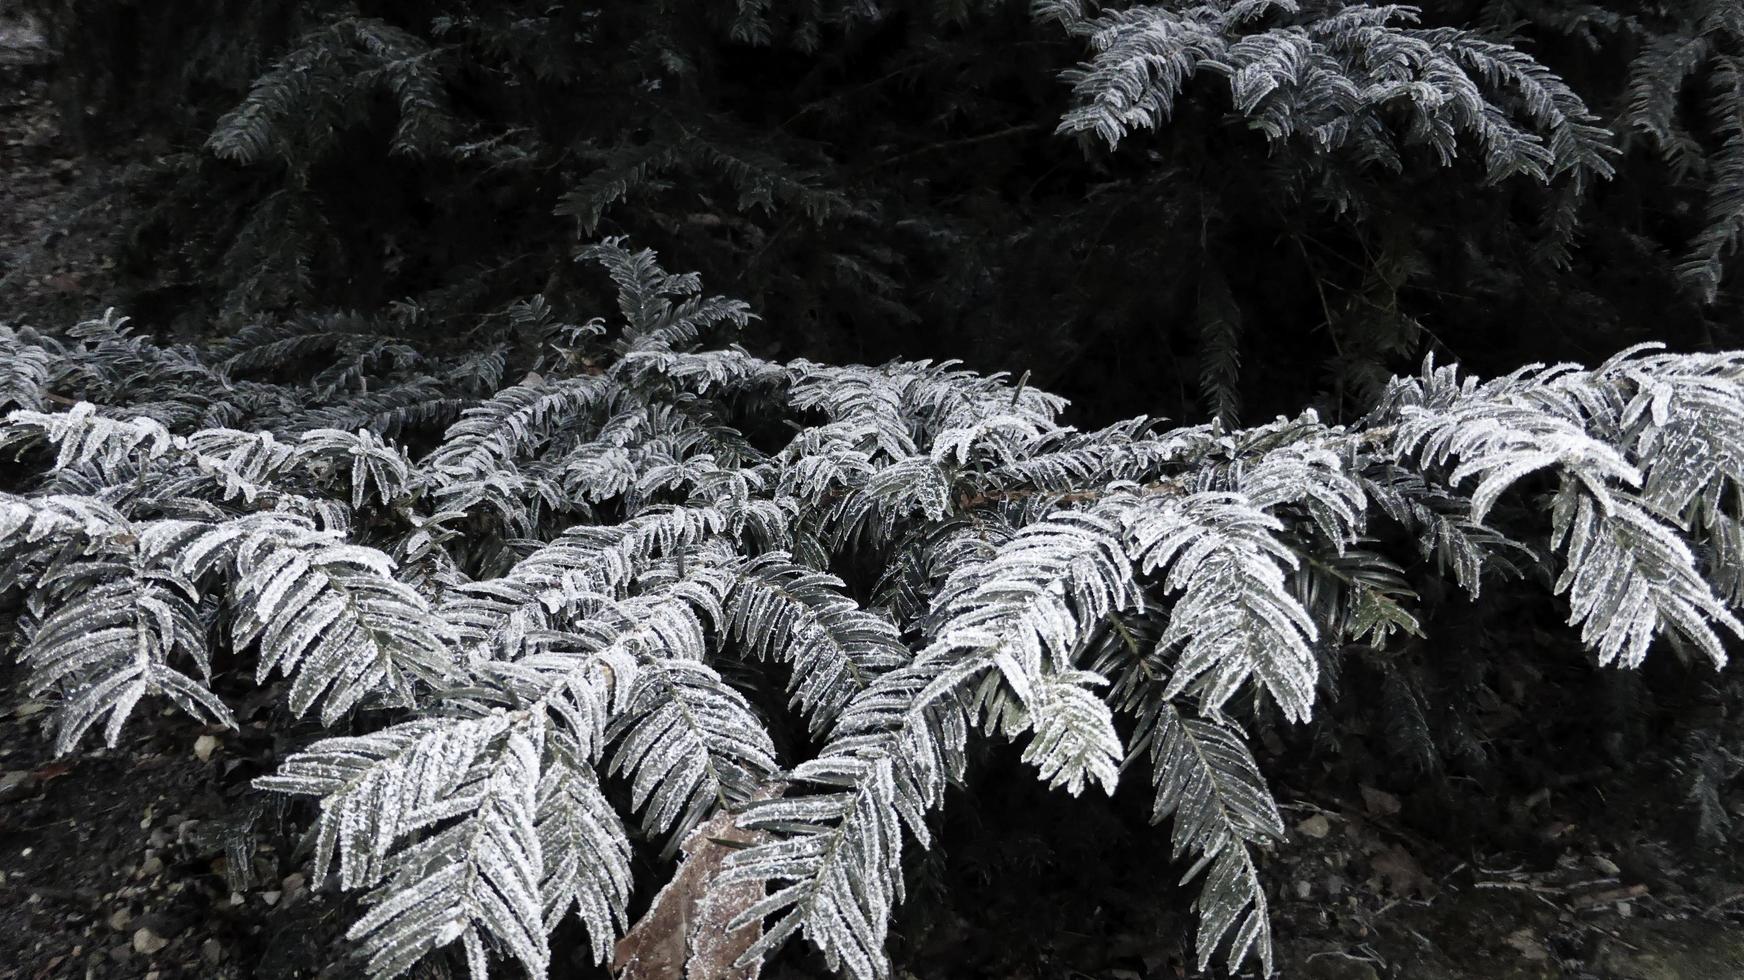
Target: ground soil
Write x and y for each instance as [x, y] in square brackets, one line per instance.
[152, 859]
[155, 859]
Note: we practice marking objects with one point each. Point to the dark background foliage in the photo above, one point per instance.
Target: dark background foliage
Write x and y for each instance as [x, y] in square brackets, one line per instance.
[884, 178]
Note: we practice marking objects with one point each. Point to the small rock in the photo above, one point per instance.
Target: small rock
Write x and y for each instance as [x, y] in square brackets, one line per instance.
[1316, 826]
[121, 954]
[212, 951]
[203, 747]
[1403, 876]
[120, 920]
[1378, 802]
[152, 865]
[147, 942]
[1526, 942]
[271, 898]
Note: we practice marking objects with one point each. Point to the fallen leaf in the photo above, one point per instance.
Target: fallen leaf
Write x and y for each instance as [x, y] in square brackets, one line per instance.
[1609, 895]
[53, 770]
[1379, 803]
[1558, 830]
[1401, 873]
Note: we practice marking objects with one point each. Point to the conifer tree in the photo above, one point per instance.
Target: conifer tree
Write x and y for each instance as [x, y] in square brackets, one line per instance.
[580, 579]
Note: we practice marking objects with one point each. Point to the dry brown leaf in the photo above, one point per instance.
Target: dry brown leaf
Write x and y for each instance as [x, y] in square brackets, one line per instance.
[1401, 873]
[1379, 803]
[684, 934]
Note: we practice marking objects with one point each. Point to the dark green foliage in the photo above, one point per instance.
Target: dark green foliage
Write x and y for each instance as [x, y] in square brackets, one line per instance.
[1341, 188]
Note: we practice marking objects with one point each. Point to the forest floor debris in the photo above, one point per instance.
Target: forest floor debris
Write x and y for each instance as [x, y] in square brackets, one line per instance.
[59, 206]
